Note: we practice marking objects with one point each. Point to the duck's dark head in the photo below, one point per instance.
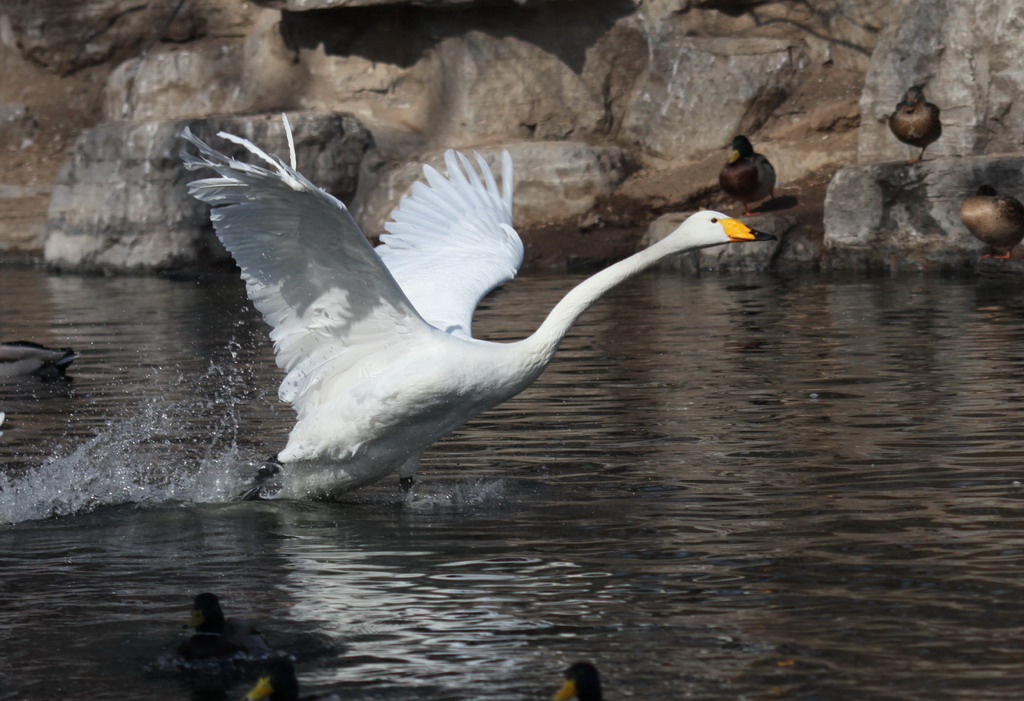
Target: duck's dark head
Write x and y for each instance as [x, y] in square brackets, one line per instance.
[581, 682]
[914, 96]
[986, 190]
[207, 616]
[741, 148]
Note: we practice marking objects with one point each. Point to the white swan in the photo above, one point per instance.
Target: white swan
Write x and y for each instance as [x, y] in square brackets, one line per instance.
[377, 343]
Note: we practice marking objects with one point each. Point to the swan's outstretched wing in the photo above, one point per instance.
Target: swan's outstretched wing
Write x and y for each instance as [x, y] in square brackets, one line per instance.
[307, 267]
[451, 241]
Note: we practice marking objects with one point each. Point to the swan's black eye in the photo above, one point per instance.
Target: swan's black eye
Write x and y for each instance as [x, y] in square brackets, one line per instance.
[714, 220]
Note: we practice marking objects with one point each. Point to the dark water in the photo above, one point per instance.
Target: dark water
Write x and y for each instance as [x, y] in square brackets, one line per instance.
[723, 488]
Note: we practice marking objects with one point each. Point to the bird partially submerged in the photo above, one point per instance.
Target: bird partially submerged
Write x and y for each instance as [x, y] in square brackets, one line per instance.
[25, 358]
[217, 636]
[377, 342]
[582, 682]
[916, 121]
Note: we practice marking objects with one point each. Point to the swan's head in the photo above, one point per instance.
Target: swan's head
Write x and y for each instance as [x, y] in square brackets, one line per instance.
[709, 228]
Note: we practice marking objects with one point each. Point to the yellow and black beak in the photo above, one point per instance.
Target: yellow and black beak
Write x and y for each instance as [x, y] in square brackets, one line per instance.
[196, 619]
[738, 231]
[263, 689]
[567, 691]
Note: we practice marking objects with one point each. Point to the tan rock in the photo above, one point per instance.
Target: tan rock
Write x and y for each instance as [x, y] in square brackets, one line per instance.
[897, 217]
[699, 93]
[555, 183]
[969, 58]
[120, 203]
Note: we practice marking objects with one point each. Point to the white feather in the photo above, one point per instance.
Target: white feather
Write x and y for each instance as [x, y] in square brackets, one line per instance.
[376, 343]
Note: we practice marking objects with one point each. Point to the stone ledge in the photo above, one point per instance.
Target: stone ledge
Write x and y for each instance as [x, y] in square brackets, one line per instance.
[896, 216]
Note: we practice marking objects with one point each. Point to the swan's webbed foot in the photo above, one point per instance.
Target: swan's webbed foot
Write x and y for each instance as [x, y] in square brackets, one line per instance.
[264, 483]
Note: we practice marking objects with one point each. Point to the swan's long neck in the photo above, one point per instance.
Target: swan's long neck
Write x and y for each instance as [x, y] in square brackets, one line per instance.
[545, 340]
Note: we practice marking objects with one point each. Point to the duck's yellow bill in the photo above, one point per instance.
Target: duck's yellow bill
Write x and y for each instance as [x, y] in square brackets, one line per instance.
[262, 690]
[738, 231]
[733, 157]
[567, 691]
[196, 618]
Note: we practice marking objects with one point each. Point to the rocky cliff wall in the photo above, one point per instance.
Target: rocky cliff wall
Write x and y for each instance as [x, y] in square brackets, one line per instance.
[618, 111]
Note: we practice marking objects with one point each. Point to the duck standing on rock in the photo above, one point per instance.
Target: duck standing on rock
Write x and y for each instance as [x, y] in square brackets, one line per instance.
[997, 220]
[916, 121]
[747, 176]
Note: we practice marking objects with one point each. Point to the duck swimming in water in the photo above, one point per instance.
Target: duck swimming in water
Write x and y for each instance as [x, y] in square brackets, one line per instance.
[916, 121]
[25, 358]
[217, 636]
[747, 176]
[996, 220]
[582, 682]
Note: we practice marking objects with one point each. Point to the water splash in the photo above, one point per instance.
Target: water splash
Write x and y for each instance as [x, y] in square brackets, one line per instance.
[140, 458]
[459, 496]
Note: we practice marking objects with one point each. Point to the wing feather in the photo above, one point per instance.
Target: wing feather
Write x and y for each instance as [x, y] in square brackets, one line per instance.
[308, 269]
[451, 240]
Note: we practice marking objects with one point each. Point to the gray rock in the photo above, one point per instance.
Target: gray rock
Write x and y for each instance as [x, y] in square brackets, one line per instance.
[120, 204]
[452, 79]
[899, 217]
[238, 76]
[971, 61]
[65, 37]
[556, 183]
[738, 258]
[162, 86]
[22, 214]
[699, 93]
[1000, 271]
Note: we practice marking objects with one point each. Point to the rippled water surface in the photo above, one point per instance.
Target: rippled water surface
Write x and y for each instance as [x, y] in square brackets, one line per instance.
[721, 488]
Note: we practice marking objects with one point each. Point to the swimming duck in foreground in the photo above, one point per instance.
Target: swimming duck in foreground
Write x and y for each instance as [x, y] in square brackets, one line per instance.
[24, 358]
[582, 682]
[997, 220]
[747, 176]
[217, 636]
[282, 685]
[377, 342]
[916, 121]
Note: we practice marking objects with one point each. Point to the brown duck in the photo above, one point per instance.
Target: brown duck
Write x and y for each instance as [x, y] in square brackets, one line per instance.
[997, 220]
[916, 121]
[747, 176]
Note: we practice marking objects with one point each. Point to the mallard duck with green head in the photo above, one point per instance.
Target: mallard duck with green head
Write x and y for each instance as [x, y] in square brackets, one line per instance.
[996, 220]
[916, 121]
[747, 176]
[582, 682]
[217, 636]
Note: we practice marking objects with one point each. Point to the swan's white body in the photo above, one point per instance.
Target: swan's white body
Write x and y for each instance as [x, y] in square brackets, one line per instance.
[377, 343]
